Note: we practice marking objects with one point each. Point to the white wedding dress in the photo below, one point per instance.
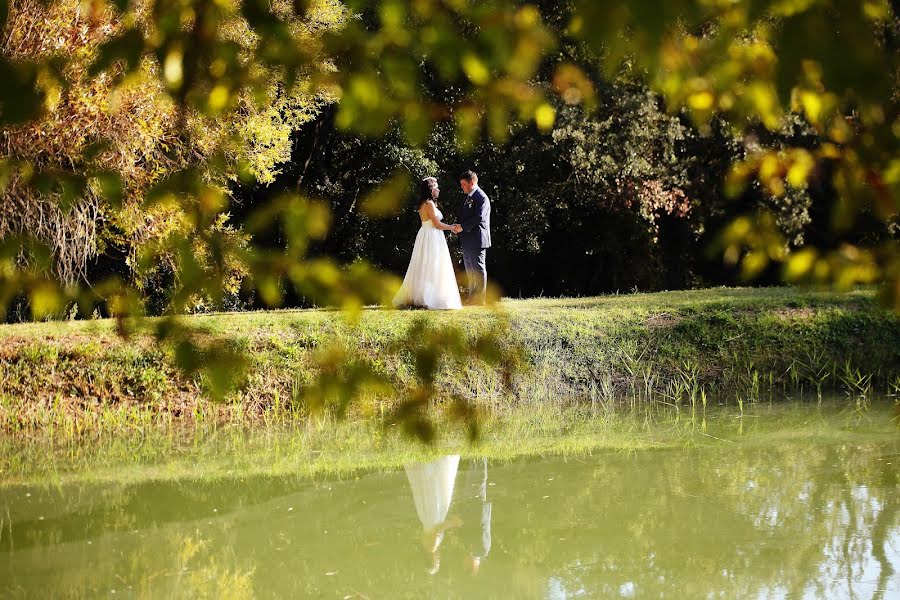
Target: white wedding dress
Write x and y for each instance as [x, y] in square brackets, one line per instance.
[432, 488]
[430, 280]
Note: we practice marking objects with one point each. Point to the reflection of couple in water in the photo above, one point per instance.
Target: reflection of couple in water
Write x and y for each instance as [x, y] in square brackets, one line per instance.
[432, 486]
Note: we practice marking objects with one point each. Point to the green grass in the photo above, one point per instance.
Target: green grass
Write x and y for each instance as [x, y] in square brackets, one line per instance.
[77, 383]
[325, 448]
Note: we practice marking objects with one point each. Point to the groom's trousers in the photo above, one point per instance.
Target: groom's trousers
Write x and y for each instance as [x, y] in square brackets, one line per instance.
[475, 263]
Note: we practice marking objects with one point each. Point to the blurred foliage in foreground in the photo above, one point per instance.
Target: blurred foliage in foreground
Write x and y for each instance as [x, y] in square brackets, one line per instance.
[126, 126]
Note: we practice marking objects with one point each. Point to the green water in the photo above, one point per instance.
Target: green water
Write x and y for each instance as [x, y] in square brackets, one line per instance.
[817, 517]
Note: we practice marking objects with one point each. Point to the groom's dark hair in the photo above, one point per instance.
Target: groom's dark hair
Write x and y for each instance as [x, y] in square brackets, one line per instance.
[469, 176]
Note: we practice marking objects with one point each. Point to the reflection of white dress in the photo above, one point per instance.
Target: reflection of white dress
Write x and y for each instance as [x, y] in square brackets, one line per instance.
[429, 281]
[432, 488]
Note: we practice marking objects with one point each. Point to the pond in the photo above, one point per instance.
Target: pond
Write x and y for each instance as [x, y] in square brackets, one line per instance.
[799, 518]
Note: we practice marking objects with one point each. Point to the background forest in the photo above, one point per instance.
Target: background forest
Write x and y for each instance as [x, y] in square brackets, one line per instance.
[610, 188]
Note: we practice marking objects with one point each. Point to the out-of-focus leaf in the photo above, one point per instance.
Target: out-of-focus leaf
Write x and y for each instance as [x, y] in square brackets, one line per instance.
[301, 6]
[465, 412]
[219, 363]
[304, 220]
[475, 69]
[799, 265]
[37, 252]
[65, 187]
[170, 187]
[127, 47]
[468, 125]
[46, 299]
[269, 289]
[388, 198]
[4, 15]
[573, 85]
[417, 123]
[410, 415]
[20, 98]
[544, 117]
[111, 187]
[259, 16]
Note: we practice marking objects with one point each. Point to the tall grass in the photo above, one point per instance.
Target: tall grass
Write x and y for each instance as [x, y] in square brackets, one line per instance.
[77, 383]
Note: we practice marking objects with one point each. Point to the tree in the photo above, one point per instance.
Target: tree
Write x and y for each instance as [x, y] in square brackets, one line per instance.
[217, 68]
[112, 127]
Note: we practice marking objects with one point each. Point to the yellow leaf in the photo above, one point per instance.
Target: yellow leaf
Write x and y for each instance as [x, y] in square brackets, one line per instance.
[365, 89]
[799, 264]
[892, 172]
[765, 101]
[218, 98]
[475, 69]
[738, 229]
[812, 106]
[527, 16]
[753, 264]
[46, 300]
[877, 10]
[736, 181]
[769, 167]
[173, 70]
[800, 168]
[545, 116]
[388, 197]
[701, 100]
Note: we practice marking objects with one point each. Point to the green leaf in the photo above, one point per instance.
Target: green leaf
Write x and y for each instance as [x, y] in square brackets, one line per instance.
[66, 188]
[4, 15]
[259, 16]
[756, 9]
[127, 47]
[46, 299]
[111, 187]
[175, 184]
[387, 199]
[20, 99]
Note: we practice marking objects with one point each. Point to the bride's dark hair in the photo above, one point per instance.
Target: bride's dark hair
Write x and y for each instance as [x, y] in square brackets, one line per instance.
[423, 192]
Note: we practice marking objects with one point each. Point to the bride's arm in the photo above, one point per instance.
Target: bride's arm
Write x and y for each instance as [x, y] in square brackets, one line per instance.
[438, 224]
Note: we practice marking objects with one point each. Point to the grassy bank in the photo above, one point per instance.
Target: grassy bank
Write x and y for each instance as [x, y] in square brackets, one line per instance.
[347, 448]
[74, 381]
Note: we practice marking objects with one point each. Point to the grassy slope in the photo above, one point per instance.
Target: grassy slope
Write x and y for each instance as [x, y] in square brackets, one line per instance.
[664, 346]
[75, 396]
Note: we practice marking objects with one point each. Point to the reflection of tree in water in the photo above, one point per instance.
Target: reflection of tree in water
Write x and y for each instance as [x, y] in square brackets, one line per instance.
[74, 542]
[788, 520]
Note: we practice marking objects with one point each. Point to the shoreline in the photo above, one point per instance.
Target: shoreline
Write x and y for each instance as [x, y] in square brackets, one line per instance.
[72, 382]
[352, 449]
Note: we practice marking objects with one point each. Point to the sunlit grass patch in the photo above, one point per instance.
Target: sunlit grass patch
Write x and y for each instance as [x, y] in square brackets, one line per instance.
[76, 383]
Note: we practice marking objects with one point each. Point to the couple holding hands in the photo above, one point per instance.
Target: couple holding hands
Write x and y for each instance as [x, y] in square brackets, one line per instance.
[430, 281]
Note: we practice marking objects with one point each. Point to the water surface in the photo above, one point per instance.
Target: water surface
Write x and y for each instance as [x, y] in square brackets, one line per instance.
[788, 518]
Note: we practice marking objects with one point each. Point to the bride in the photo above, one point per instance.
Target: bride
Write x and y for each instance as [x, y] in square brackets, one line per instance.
[430, 280]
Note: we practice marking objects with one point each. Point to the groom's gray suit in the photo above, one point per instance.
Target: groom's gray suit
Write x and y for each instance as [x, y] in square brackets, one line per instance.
[475, 239]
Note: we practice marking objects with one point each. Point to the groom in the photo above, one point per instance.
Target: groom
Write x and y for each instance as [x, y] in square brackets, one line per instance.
[474, 229]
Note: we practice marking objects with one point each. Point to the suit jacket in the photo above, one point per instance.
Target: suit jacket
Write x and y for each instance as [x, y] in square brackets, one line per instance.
[475, 218]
